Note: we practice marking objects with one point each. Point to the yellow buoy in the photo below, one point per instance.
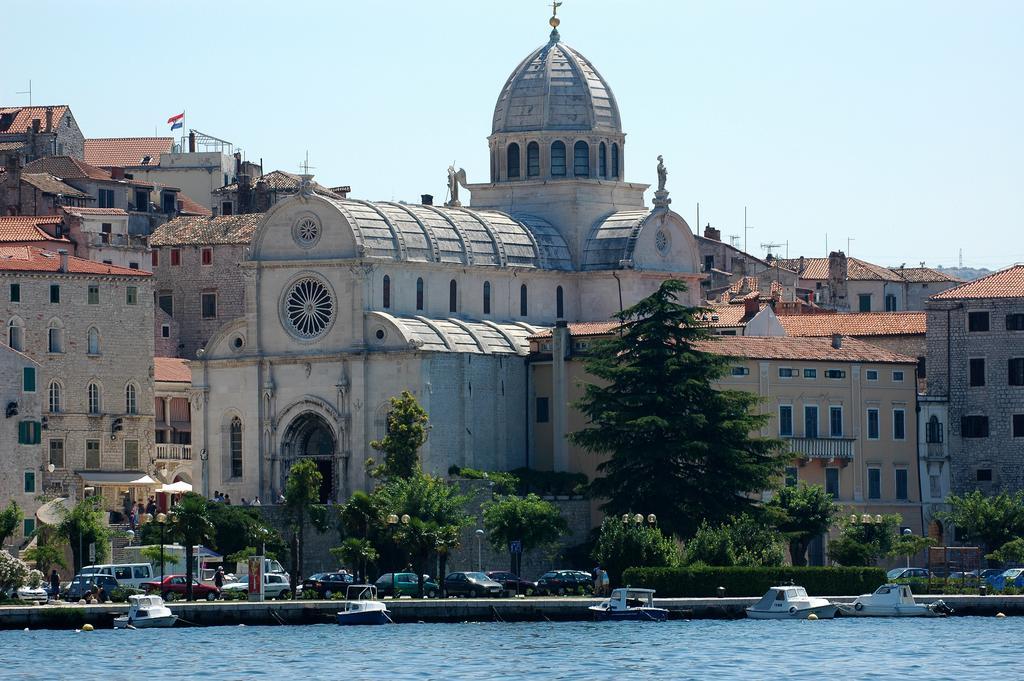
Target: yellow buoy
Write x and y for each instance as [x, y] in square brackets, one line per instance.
[812, 616]
[999, 614]
[86, 627]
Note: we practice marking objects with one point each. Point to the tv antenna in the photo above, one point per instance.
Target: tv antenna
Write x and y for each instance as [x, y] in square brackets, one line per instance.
[769, 246]
[27, 92]
[734, 240]
[305, 165]
[746, 228]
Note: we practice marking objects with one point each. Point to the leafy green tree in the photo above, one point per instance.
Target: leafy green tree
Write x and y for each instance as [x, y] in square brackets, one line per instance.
[755, 544]
[237, 528]
[358, 553]
[1010, 552]
[802, 513]
[988, 520]
[909, 545]
[84, 525]
[530, 520]
[711, 545]
[10, 520]
[302, 503]
[45, 556]
[191, 525]
[864, 544]
[407, 431]
[152, 553]
[676, 446]
[621, 545]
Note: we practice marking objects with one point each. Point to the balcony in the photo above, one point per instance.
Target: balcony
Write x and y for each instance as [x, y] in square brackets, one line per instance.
[170, 452]
[104, 239]
[821, 447]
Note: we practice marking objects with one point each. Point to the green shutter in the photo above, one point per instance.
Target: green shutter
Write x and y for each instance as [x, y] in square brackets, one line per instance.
[28, 383]
[23, 432]
[30, 482]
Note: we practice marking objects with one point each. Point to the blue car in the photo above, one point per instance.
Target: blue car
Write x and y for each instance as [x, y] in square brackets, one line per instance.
[1013, 577]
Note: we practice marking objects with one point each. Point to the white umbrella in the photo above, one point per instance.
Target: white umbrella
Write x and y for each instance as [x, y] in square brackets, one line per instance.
[176, 488]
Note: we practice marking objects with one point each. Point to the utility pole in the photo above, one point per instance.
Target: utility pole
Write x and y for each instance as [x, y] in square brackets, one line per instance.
[848, 240]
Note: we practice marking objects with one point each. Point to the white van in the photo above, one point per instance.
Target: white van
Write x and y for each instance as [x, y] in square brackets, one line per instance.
[126, 574]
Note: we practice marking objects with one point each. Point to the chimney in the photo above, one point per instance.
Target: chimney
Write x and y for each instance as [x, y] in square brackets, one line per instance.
[191, 142]
[49, 119]
[117, 173]
[63, 253]
[427, 199]
[238, 163]
[35, 125]
[262, 196]
[245, 199]
[837, 341]
[751, 305]
[712, 233]
[838, 271]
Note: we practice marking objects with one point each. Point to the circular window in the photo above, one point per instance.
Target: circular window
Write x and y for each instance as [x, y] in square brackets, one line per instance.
[661, 241]
[380, 334]
[306, 231]
[237, 343]
[308, 308]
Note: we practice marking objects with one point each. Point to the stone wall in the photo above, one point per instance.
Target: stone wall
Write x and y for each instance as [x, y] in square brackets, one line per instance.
[17, 460]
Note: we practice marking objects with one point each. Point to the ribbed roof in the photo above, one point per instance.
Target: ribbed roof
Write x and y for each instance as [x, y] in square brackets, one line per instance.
[48, 184]
[855, 324]
[555, 88]
[612, 239]
[462, 335]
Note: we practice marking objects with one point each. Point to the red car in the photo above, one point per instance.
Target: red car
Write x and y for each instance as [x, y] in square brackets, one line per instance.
[174, 585]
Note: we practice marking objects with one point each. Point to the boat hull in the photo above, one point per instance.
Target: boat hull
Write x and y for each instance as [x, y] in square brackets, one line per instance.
[145, 622]
[822, 612]
[848, 610]
[633, 614]
[367, 617]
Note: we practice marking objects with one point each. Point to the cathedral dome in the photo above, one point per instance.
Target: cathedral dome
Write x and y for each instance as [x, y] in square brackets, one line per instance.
[556, 88]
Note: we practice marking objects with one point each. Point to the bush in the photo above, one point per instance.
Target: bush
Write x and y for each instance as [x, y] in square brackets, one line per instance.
[550, 483]
[504, 483]
[699, 582]
[234, 595]
[309, 595]
[621, 545]
[121, 594]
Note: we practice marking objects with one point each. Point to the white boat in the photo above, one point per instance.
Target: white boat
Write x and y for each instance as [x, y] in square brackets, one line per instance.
[629, 604]
[362, 606]
[146, 612]
[892, 600]
[790, 603]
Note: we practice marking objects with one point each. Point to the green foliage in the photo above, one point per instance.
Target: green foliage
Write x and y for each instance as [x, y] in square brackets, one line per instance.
[356, 553]
[237, 528]
[10, 521]
[235, 595]
[302, 502]
[988, 520]
[864, 543]
[190, 524]
[530, 519]
[550, 483]
[121, 594]
[1010, 552]
[676, 446]
[743, 540]
[407, 431]
[621, 545]
[501, 482]
[909, 545]
[802, 513]
[702, 582]
[152, 554]
[13, 572]
[84, 525]
[45, 556]
[710, 545]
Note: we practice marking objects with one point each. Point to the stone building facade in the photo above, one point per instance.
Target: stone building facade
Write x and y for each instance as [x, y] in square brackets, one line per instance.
[976, 362]
[79, 320]
[196, 263]
[21, 461]
[37, 131]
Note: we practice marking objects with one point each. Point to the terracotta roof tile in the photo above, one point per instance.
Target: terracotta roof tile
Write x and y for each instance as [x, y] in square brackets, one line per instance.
[188, 206]
[855, 324]
[856, 269]
[923, 275]
[279, 180]
[1008, 283]
[171, 370]
[11, 146]
[26, 228]
[49, 184]
[200, 230]
[579, 329]
[67, 168]
[75, 210]
[729, 314]
[121, 152]
[32, 259]
[23, 116]
[800, 349]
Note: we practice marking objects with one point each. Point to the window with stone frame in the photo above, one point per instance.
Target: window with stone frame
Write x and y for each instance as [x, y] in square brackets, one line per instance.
[899, 424]
[92, 455]
[785, 420]
[1015, 371]
[94, 294]
[386, 293]
[175, 257]
[974, 426]
[16, 334]
[55, 397]
[453, 296]
[93, 394]
[419, 293]
[512, 158]
[874, 482]
[559, 303]
[1017, 422]
[832, 482]
[55, 338]
[901, 479]
[532, 159]
[56, 454]
[976, 373]
[874, 430]
[977, 322]
[131, 455]
[543, 410]
[54, 293]
[131, 401]
[131, 295]
[15, 293]
[1015, 321]
[581, 159]
[166, 303]
[235, 447]
[207, 255]
[558, 159]
[93, 340]
[487, 297]
[208, 302]
[523, 307]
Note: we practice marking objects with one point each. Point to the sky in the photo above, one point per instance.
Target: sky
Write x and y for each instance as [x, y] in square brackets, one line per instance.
[890, 130]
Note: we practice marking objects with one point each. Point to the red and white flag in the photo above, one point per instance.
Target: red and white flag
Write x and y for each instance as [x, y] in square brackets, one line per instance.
[176, 121]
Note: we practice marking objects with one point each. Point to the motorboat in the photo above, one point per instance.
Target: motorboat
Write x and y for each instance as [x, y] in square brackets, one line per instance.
[362, 606]
[146, 612]
[629, 604]
[790, 603]
[892, 600]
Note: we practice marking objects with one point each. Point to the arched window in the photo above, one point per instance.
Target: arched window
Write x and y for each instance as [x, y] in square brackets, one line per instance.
[559, 303]
[512, 157]
[602, 160]
[94, 399]
[419, 293]
[56, 402]
[581, 159]
[55, 337]
[386, 302]
[487, 297]
[453, 296]
[16, 334]
[532, 159]
[131, 402]
[94, 341]
[615, 159]
[235, 445]
[522, 301]
[558, 159]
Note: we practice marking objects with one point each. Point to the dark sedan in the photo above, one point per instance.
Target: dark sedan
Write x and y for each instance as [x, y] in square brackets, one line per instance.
[561, 582]
[471, 584]
[513, 583]
[327, 584]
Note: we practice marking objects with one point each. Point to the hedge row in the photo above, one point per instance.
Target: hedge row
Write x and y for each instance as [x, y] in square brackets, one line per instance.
[701, 582]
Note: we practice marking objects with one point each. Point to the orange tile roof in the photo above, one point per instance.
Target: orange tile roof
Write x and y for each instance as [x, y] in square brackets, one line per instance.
[122, 152]
[1008, 283]
[189, 206]
[578, 329]
[32, 259]
[800, 349]
[26, 228]
[199, 230]
[856, 269]
[855, 324]
[48, 184]
[171, 370]
[729, 314]
[23, 116]
[923, 275]
[67, 168]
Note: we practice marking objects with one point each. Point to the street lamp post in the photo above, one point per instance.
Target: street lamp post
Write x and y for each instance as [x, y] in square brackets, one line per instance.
[906, 533]
[479, 551]
[392, 523]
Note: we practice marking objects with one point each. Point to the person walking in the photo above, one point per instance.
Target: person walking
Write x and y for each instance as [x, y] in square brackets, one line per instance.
[218, 579]
[54, 584]
[604, 582]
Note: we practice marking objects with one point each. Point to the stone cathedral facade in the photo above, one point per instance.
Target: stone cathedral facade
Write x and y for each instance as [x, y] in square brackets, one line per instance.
[349, 302]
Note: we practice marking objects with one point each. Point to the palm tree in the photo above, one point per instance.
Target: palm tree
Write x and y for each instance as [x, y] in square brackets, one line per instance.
[192, 526]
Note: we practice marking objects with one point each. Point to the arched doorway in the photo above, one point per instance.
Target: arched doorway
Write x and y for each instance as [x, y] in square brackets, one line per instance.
[309, 436]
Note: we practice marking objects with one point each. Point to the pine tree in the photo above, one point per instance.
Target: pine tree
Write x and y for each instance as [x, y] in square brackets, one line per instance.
[676, 446]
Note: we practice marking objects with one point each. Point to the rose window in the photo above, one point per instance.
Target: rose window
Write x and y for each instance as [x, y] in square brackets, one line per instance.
[661, 241]
[309, 308]
[306, 231]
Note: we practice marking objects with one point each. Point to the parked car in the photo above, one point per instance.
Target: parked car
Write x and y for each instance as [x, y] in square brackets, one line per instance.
[908, 573]
[990, 572]
[126, 574]
[561, 582]
[405, 584]
[1013, 577]
[33, 593]
[175, 585]
[274, 586]
[475, 584]
[513, 583]
[83, 584]
[326, 584]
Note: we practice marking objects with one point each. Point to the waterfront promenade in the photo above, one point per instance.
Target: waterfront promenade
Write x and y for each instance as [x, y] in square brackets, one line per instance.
[219, 613]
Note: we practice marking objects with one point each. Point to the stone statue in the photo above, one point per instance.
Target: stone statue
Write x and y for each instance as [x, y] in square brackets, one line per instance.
[455, 178]
[662, 173]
